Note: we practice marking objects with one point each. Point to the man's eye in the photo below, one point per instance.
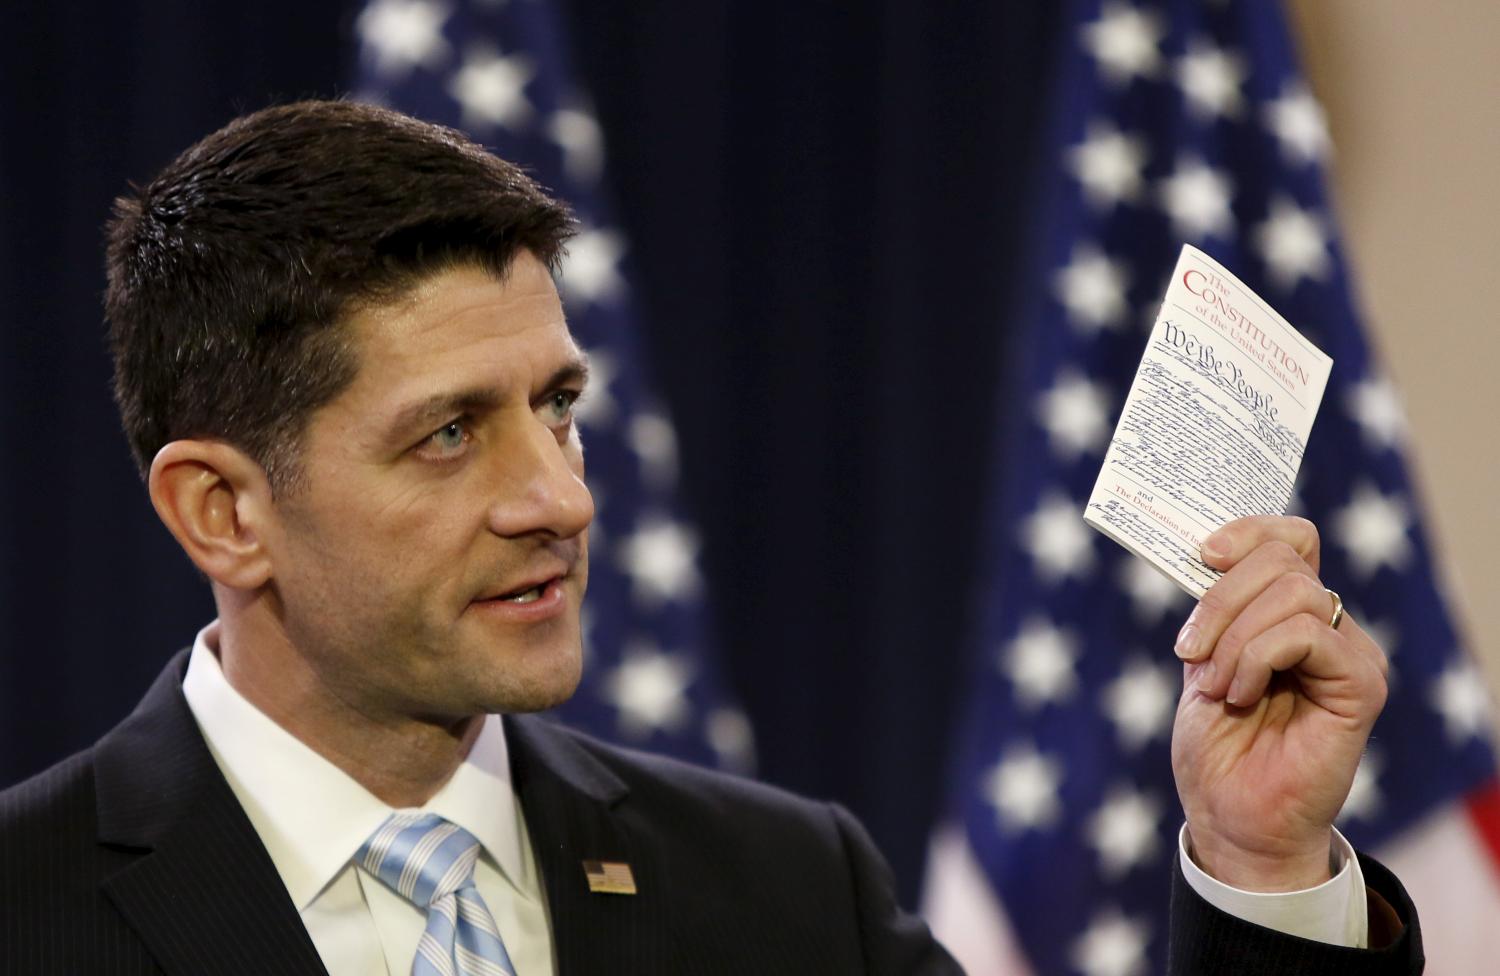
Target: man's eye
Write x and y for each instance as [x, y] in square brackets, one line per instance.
[559, 406]
[450, 438]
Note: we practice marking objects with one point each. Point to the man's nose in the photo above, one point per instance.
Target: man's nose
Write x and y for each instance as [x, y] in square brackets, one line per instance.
[540, 485]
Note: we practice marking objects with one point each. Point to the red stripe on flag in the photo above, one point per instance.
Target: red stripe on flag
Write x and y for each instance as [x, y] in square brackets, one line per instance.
[1484, 813]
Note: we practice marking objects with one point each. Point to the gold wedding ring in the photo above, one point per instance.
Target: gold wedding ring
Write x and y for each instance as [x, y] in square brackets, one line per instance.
[1338, 609]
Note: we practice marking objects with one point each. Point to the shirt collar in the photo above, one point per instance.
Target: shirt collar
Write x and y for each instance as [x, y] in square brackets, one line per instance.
[310, 814]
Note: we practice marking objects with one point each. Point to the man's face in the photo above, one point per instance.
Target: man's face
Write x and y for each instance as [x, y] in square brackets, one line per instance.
[433, 564]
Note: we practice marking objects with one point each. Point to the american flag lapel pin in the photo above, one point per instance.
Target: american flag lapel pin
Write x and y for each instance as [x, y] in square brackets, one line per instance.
[609, 877]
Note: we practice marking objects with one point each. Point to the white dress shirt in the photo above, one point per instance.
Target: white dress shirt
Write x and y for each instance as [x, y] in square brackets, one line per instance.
[313, 817]
[1334, 912]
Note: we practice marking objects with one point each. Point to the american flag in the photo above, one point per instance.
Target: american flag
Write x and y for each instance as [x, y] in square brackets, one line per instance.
[1172, 122]
[500, 71]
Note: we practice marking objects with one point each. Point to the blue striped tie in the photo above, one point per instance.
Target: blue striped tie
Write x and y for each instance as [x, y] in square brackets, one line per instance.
[430, 862]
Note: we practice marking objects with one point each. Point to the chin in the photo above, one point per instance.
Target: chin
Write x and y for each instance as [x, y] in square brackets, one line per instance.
[543, 682]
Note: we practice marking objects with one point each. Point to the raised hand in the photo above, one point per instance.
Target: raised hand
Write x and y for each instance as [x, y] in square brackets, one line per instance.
[1276, 707]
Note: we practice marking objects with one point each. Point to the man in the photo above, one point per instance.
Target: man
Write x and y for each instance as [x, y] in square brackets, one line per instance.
[344, 370]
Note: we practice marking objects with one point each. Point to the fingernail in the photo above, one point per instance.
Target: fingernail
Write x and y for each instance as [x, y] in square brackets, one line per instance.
[1235, 692]
[1216, 547]
[1206, 677]
[1187, 641]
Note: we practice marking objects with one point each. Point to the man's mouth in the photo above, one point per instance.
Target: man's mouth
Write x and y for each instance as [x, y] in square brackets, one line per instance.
[530, 601]
[528, 591]
[524, 596]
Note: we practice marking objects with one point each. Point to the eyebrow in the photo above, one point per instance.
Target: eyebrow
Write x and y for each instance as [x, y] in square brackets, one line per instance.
[479, 399]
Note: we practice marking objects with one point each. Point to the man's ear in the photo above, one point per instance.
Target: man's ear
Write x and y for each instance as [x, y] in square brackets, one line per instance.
[216, 501]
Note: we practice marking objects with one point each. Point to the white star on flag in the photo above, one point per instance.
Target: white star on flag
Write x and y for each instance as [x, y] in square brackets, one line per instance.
[1152, 595]
[1461, 696]
[731, 738]
[1297, 121]
[491, 89]
[1196, 199]
[661, 558]
[649, 688]
[1375, 405]
[1108, 164]
[1022, 787]
[1075, 414]
[1210, 79]
[1363, 801]
[1372, 530]
[404, 34]
[577, 134]
[1293, 244]
[590, 268]
[654, 441]
[1141, 701]
[1125, 41]
[1057, 538]
[1112, 945]
[1039, 662]
[1092, 289]
[1123, 830]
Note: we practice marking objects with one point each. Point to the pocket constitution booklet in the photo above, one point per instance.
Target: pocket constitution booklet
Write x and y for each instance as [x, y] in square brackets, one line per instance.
[1214, 426]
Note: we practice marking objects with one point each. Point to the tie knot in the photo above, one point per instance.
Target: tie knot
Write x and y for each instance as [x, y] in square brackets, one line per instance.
[420, 856]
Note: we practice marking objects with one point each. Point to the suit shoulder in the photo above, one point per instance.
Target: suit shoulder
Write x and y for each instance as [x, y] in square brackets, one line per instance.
[51, 797]
[687, 785]
[48, 832]
[768, 867]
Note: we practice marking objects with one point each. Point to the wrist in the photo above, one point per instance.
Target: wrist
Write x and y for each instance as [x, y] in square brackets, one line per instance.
[1270, 870]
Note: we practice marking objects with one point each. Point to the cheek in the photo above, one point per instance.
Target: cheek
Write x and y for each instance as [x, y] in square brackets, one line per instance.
[395, 552]
[342, 579]
[417, 515]
[353, 558]
[424, 549]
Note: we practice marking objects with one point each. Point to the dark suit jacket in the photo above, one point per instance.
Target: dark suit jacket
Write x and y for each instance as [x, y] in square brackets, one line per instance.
[135, 858]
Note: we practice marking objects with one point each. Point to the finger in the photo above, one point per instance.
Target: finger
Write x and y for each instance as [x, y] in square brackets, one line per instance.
[1283, 647]
[1233, 542]
[1303, 644]
[1190, 673]
[1287, 595]
[1363, 643]
[1233, 592]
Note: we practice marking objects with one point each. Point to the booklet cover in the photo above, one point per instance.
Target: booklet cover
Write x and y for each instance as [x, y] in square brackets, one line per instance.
[1214, 426]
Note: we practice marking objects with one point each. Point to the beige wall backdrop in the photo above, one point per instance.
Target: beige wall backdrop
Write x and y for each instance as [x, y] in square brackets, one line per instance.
[1412, 93]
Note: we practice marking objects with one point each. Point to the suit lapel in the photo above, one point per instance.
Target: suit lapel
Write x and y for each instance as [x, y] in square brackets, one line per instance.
[202, 893]
[574, 813]
[205, 897]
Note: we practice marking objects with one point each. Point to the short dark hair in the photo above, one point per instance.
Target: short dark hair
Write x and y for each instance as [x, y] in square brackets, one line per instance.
[230, 272]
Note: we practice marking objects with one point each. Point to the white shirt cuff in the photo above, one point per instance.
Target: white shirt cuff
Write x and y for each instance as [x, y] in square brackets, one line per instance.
[1334, 912]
